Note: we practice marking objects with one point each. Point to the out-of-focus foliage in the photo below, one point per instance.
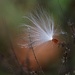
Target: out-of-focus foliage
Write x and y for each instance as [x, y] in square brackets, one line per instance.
[12, 12]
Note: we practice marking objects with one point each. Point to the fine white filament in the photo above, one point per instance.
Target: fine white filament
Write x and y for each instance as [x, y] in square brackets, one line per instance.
[39, 30]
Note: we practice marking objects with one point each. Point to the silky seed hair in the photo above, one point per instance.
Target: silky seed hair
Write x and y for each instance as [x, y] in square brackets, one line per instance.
[41, 28]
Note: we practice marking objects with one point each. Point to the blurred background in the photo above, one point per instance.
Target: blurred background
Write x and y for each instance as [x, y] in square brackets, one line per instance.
[11, 16]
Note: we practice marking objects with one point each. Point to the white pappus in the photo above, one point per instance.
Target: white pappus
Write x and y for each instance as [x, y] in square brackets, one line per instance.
[40, 29]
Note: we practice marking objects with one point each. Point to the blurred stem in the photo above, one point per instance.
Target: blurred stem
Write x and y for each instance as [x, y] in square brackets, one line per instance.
[11, 46]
